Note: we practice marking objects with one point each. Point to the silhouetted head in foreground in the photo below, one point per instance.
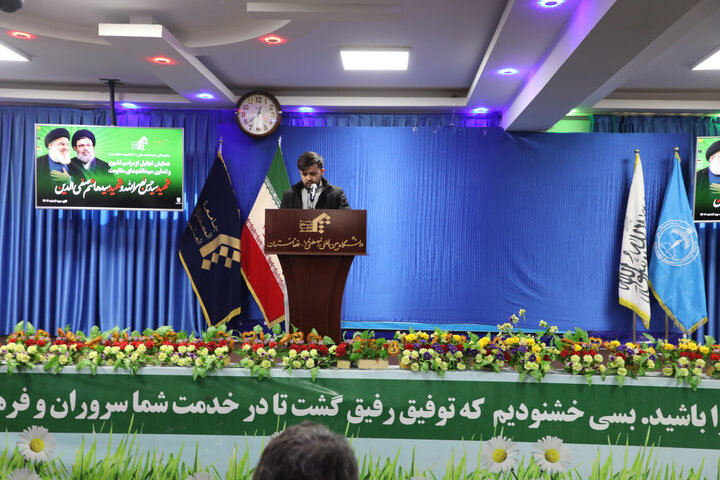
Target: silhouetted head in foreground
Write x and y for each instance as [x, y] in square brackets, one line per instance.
[308, 451]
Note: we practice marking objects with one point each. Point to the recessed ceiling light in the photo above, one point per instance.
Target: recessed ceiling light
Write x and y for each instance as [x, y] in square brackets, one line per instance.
[128, 105]
[8, 54]
[21, 35]
[305, 109]
[273, 39]
[550, 3]
[480, 110]
[162, 60]
[205, 96]
[507, 71]
[709, 62]
[375, 58]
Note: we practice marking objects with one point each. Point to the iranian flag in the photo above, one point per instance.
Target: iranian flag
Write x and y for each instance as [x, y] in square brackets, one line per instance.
[262, 273]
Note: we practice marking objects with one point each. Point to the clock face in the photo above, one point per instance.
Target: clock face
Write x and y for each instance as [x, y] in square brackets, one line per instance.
[258, 114]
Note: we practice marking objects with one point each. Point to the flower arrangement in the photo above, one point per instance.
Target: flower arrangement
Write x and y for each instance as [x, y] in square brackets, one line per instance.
[579, 354]
[685, 362]
[484, 353]
[529, 354]
[364, 346]
[439, 351]
[257, 353]
[313, 355]
[629, 359]
[25, 350]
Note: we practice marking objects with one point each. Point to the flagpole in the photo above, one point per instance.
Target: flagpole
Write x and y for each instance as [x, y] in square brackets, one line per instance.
[634, 323]
[220, 147]
[666, 327]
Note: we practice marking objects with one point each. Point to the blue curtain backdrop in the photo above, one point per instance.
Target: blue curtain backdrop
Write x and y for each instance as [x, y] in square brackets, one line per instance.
[708, 233]
[465, 225]
[85, 268]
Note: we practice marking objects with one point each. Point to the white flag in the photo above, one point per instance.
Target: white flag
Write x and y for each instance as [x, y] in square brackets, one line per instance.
[633, 286]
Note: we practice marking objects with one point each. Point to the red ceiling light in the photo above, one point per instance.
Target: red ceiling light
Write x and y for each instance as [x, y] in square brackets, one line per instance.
[21, 35]
[273, 39]
[162, 60]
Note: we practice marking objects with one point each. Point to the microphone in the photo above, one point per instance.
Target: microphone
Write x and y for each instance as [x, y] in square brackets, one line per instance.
[313, 191]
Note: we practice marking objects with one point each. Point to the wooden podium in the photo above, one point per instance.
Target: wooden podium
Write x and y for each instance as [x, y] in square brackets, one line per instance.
[316, 249]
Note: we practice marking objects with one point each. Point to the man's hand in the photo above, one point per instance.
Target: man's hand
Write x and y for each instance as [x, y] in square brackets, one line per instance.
[60, 177]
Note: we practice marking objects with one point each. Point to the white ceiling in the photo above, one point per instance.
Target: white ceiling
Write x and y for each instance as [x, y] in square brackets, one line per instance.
[595, 55]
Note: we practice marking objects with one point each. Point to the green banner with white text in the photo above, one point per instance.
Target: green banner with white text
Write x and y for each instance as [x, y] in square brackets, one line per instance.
[375, 404]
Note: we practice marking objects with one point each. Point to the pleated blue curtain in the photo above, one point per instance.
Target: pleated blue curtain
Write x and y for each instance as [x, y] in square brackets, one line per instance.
[708, 233]
[332, 119]
[81, 268]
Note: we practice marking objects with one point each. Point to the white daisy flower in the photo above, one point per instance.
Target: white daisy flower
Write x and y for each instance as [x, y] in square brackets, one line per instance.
[36, 444]
[200, 476]
[500, 454]
[551, 455]
[23, 474]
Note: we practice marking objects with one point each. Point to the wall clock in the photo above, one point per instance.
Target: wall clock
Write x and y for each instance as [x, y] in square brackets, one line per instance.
[258, 113]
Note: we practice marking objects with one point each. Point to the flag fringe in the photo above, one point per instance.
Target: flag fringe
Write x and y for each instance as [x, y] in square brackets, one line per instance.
[644, 316]
[669, 313]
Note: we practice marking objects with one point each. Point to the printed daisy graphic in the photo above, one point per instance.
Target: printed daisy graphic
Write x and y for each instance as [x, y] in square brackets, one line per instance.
[551, 455]
[23, 474]
[200, 476]
[36, 444]
[500, 454]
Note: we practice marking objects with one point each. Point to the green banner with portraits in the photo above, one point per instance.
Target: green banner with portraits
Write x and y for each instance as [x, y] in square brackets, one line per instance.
[101, 167]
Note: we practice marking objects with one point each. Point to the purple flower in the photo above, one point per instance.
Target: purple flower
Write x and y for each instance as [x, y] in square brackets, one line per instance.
[427, 356]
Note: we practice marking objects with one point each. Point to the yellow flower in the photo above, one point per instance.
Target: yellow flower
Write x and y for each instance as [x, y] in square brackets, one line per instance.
[129, 348]
[704, 350]
[577, 347]
[423, 335]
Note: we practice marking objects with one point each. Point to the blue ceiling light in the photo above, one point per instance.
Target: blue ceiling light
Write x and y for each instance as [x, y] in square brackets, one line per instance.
[128, 105]
[550, 3]
[306, 109]
[480, 110]
[205, 96]
[507, 71]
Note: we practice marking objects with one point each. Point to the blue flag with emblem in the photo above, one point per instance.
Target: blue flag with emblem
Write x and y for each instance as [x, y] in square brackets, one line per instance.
[676, 274]
[210, 248]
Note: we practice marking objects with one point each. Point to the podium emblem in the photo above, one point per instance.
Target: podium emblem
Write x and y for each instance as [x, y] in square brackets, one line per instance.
[315, 225]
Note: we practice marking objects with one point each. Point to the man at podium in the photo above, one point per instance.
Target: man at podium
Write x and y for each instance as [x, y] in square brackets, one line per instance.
[313, 191]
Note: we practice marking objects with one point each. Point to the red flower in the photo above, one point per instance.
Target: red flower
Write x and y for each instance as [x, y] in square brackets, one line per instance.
[323, 350]
[409, 346]
[29, 342]
[564, 353]
[41, 343]
[123, 344]
[295, 347]
[593, 352]
[460, 347]
[149, 344]
[714, 357]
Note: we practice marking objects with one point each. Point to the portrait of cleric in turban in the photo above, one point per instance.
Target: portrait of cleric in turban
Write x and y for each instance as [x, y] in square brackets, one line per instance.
[707, 186]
